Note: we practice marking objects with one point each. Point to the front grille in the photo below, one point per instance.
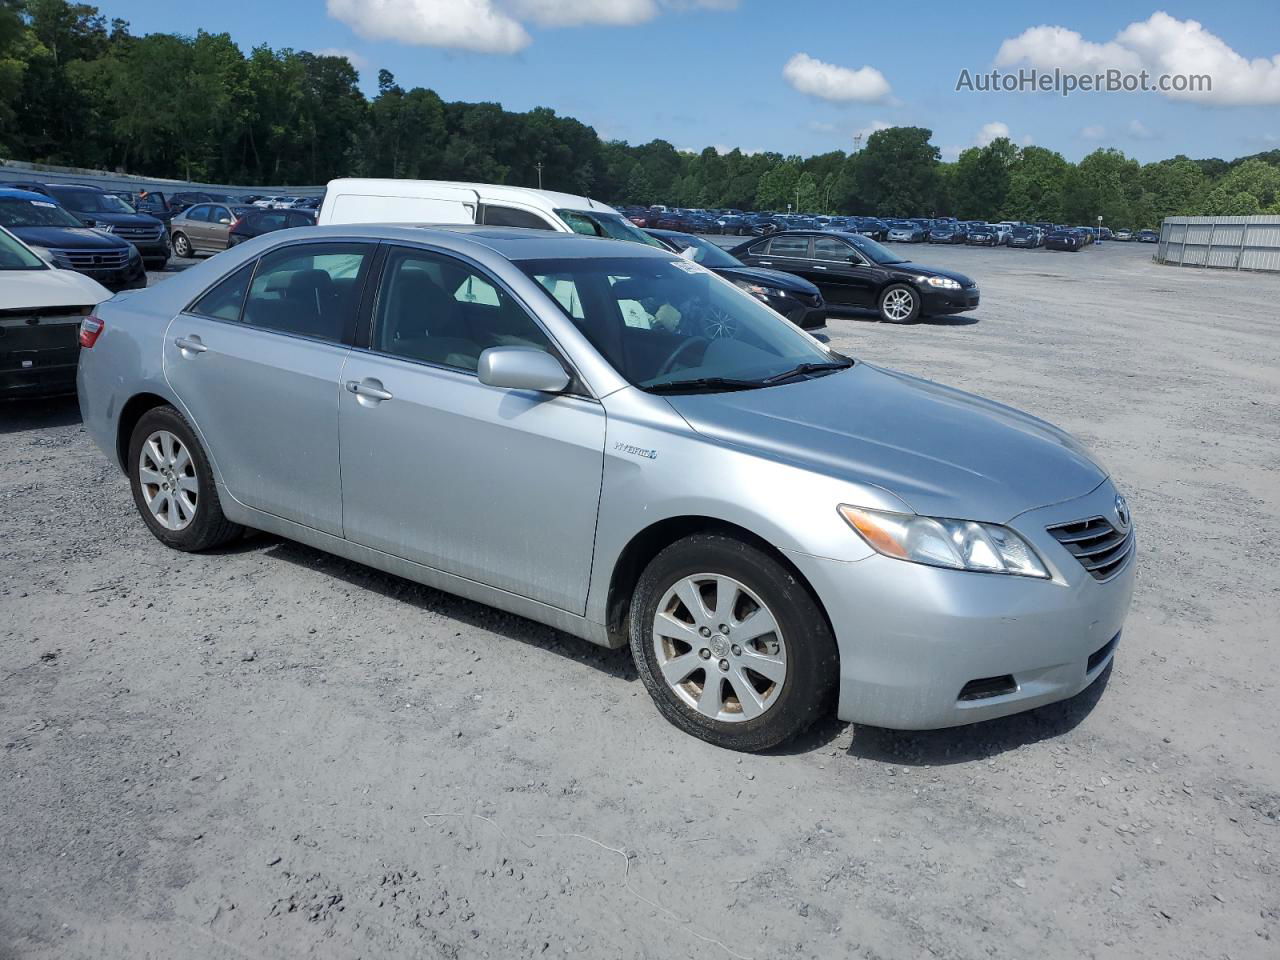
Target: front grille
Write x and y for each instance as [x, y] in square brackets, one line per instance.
[810, 300]
[92, 259]
[1099, 546]
[139, 233]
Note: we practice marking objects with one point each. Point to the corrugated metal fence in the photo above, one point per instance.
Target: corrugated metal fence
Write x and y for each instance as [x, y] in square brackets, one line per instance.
[18, 171]
[1233, 243]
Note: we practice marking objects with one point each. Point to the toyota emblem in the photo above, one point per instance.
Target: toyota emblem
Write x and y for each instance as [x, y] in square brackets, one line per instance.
[1122, 512]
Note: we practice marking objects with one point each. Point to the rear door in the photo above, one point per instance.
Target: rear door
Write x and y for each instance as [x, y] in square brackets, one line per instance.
[788, 252]
[256, 363]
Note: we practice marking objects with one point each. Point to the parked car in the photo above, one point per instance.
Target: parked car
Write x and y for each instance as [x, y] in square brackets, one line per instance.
[105, 211]
[773, 527]
[1148, 236]
[153, 204]
[1124, 234]
[205, 228]
[947, 233]
[982, 235]
[1025, 236]
[41, 310]
[871, 227]
[794, 297]
[852, 270]
[907, 231]
[59, 238]
[255, 222]
[1069, 240]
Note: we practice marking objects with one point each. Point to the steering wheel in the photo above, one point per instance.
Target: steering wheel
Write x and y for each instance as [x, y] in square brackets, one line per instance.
[678, 352]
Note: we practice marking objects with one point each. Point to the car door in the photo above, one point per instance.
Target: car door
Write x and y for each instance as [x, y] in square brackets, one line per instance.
[497, 486]
[220, 218]
[195, 220]
[789, 252]
[845, 276]
[256, 363]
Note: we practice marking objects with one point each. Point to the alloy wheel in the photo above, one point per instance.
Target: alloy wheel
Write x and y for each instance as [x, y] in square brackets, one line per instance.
[167, 478]
[719, 648]
[898, 304]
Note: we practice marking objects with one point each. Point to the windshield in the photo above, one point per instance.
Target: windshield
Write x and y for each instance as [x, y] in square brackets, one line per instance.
[612, 225]
[667, 324]
[872, 250]
[704, 251]
[15, 256]
[90, 201]
[17, 212]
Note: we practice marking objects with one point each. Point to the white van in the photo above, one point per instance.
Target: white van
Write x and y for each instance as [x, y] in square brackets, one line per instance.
[439, 201]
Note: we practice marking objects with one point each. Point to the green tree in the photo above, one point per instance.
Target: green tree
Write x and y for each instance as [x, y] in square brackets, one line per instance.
[982, 178]
[896, 174]
[1035, 186]
[1250, 188]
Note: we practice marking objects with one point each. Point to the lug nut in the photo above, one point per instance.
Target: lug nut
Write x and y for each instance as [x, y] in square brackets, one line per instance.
[704, 653]
[737, 650]
[724, 628]
[705, 631]
[724, 665]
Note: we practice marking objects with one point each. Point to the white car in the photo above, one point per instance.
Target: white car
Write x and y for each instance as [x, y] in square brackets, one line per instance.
[41, 310]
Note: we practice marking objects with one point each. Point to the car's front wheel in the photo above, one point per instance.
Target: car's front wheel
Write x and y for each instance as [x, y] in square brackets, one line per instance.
[730, 644]
[173, 486]
[899, 303]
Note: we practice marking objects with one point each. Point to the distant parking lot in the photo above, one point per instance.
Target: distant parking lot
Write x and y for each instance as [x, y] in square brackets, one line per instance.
[271, 752]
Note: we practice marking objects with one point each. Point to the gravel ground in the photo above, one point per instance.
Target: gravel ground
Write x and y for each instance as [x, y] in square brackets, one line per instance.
[269, 752]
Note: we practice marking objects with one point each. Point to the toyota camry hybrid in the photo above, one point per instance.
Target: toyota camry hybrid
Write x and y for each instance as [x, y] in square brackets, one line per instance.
[608, 438]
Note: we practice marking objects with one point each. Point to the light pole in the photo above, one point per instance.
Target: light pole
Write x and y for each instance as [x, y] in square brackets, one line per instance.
[538, 166]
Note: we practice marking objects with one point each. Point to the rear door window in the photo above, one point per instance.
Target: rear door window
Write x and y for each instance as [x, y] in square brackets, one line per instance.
[789, 247]
[226, 298]
[310, 290]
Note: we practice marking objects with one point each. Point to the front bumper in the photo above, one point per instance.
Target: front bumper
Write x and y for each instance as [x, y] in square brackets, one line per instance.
[806, 315]
[132, 276]
[934, 301]
[912, 637]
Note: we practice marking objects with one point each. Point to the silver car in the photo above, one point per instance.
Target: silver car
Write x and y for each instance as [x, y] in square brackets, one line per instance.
[607, 438]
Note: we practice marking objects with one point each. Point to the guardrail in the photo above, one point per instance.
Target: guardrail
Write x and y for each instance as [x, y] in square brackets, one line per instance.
[1229, 243]
[21, 171]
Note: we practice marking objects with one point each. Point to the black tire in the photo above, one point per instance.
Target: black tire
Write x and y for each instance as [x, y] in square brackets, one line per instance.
[182, 246]
[208, 526]
[894, 291]
[808, 689]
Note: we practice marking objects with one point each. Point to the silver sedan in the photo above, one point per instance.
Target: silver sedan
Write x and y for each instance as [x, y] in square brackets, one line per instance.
[609, 439]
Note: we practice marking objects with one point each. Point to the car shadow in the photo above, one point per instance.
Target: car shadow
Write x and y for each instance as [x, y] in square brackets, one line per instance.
[977, 741]
[944, 320]
[21, 414]
[615, 663]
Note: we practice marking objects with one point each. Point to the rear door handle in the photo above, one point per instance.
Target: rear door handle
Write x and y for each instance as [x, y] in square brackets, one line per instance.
[818, 266]
[190, 344]
[369, 390]
[767, 263]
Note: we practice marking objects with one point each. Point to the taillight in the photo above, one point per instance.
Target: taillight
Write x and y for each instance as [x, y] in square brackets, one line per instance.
[235, 223]
[90, 330]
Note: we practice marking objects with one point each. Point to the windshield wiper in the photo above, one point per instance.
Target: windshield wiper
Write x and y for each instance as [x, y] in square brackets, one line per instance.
[705, 383]
[805, 368]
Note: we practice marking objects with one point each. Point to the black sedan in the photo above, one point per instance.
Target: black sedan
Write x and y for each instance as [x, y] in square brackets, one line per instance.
[982, 236]
[1069, 240]
[1025, 236]
[1148, 236]
[855, 271]
[255, 222]
[795, 298]
[947, 233]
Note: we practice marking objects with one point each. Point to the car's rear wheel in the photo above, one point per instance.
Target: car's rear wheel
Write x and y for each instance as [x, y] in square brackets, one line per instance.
[181, 246]
[173, 485]
[730, 645]
[899, 304]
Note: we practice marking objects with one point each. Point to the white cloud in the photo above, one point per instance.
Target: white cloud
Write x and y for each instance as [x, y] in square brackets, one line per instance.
[990, 131]
[830, 82]
[1140, 131]
[870, 128]
[476, 25]
[494, 26]
[1161, 45]
[356, 60]
[1093, 132]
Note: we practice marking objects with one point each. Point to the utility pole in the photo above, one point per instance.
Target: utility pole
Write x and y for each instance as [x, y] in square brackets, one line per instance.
[857, 142]
[538, 166]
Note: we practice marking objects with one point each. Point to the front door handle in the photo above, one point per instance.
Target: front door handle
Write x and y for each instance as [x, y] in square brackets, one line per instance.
[818, 266]
[369, 389]
[767, 263]
[190, 344]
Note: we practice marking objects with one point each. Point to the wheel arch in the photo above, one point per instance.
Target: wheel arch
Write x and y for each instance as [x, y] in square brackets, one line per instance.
[655, 538]
[130, 414]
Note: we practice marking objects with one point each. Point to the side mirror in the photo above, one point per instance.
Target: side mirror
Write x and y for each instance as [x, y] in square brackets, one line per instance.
[522, 368]
[224, 220]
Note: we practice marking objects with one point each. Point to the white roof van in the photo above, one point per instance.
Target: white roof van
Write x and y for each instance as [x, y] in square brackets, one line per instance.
[440, 201]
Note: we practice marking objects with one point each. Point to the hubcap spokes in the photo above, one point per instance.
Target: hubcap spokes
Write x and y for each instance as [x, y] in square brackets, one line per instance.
[898, 304]
[167, 476]
[719, 648]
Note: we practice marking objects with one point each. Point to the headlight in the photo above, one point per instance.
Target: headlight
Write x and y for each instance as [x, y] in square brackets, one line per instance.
[758, 290]
[946, 283]
[49, 257]
[957, 544]
[101, 227]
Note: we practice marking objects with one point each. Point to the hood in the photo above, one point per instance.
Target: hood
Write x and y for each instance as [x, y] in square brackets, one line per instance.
[72, 238]
[118, 219]
[28, 289]
[943, 452]
[769, 278]
[921, 270]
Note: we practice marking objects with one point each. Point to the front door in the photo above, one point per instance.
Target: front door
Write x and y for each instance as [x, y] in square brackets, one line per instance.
[256, 364]
[497, 486]
[841, 273]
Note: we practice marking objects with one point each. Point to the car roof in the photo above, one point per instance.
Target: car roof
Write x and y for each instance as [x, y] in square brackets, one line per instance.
[512, 243]
[23, 195]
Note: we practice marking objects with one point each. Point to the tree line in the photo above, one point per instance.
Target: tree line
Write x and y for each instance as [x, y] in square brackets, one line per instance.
[79, 89]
